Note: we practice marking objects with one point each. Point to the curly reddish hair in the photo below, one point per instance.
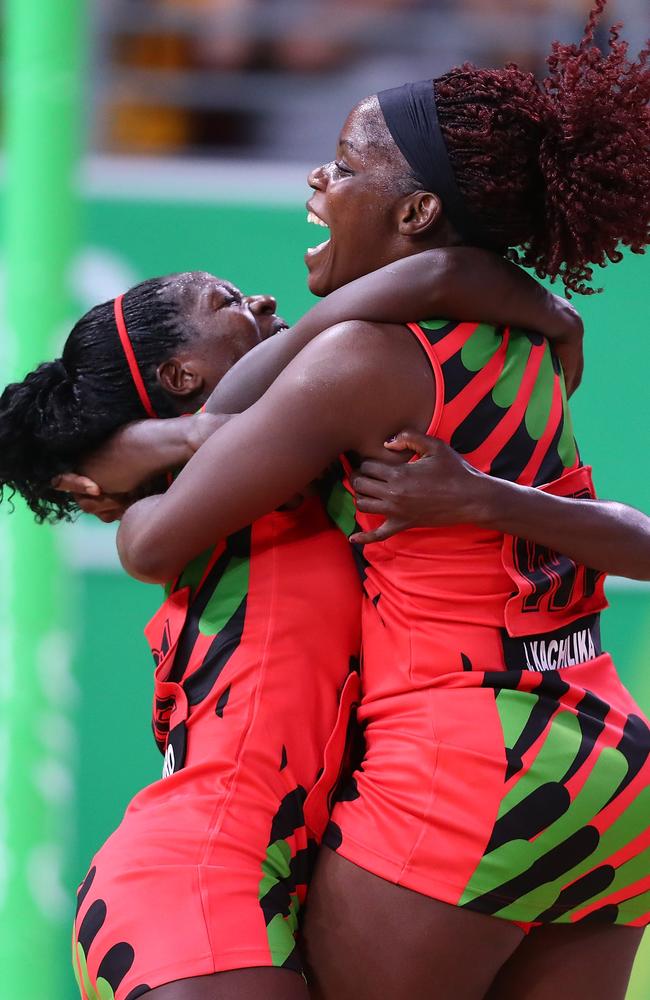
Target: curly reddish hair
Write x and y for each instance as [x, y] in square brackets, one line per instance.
[558, 174]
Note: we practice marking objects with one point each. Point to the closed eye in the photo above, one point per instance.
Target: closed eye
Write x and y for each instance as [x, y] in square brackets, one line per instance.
[231, 297]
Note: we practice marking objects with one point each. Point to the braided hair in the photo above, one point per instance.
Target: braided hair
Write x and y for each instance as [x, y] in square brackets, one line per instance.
[67, 407]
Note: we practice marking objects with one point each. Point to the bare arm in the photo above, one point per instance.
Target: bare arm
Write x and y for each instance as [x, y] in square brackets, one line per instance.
[456, 281]
[133, 455]
[460, 282]
[315, 409]
[601, 534]
[441, 488]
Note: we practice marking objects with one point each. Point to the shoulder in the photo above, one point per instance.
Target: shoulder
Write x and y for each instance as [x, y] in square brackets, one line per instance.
[369, 377]
[358, 349]
[354, 334]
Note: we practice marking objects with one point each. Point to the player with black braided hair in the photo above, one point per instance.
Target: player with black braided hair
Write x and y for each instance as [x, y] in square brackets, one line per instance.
[256, 634]
[505, 784]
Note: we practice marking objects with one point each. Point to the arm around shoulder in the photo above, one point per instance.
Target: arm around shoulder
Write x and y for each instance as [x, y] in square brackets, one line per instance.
[319, 406]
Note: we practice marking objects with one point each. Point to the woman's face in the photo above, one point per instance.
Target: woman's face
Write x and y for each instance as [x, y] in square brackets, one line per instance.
[356, 197]
[226, 323]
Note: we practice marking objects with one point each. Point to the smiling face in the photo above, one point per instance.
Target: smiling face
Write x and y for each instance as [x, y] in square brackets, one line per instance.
[224, 325]
[358, 197]
[369, 200]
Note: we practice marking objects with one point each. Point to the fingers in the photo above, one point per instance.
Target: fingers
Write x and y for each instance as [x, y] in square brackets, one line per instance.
[380, 534]
[369, 505]
[373, 470]
[70, 482]
[110, 516]
[413, 441]
[576, 378]
[407, 440]
[572, 366]
[104, 509]
[365, 487]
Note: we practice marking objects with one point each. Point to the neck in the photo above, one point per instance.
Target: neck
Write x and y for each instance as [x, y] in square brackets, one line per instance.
[187, 405]
[408, 246]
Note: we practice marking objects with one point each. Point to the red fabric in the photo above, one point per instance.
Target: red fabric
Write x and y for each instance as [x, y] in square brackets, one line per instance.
[131, 359]
[183, 874]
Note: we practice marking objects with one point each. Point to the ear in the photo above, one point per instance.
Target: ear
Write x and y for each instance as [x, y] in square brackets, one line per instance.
[418, 213]
[179, 378]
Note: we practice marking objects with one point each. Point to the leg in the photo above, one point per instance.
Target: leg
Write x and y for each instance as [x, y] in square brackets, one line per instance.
[241, 984]
[583, 961]
[367, 939]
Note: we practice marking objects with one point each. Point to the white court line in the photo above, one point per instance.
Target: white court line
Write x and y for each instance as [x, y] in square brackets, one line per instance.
[190, 181]
[91, 548]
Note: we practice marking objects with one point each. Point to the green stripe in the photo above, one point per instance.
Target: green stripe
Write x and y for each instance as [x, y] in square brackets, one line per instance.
[567, 444]
[515, 857]
[340, 508]
[194, 571]
[632, 822]
[632, 909]
[514, 712]
[281, 933]
[276, 866]
[227, 596]
[627, 875]
[87, 985]
[481, 347]
[75, 967]
[104, 990]
[433, 324]
[538, 410]
[280, 930]
[562, 742]
[509, 382]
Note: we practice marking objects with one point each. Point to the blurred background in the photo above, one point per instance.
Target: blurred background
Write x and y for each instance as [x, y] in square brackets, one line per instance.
[149, 136]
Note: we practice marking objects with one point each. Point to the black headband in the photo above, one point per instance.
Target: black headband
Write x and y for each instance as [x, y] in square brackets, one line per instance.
[412, 119]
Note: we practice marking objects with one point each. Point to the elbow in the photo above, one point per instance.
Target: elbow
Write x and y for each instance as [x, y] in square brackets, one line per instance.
[141, 565]
[142, 558]
[569, 322]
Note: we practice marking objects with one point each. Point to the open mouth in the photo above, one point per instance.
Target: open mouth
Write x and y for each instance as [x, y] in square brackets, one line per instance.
[315, 220]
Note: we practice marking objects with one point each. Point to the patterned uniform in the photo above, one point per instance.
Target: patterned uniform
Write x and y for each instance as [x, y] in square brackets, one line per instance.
[255, 650]
[507, 767]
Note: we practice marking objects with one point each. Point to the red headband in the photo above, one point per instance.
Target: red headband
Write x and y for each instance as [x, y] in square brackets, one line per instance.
[131, 359]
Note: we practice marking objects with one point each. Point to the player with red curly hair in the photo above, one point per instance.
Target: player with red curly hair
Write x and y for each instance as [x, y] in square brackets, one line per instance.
[558, 175]
[495, 839]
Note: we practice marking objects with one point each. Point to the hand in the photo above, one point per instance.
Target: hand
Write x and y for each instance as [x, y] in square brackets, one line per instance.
[438, 489]
[126, 460]
[118, 466]
[106, 508]
[138, 452]
[568, 343]
[90, 499]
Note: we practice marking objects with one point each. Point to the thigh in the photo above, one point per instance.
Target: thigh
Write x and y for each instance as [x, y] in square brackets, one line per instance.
[581, 961]
[241, 984]
[367, 939]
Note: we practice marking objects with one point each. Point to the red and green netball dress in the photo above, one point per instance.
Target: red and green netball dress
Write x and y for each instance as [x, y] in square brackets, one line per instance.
[507, 767]
[255, 650]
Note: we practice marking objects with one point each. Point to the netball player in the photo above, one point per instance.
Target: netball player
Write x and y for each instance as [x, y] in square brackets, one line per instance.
[501, 807]
[253, 649]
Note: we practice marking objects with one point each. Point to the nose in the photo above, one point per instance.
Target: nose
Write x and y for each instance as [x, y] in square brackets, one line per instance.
[317, 178]
[262, 305]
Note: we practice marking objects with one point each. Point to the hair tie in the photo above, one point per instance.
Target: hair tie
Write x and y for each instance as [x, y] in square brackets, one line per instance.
[411, 115]
[131, 360]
